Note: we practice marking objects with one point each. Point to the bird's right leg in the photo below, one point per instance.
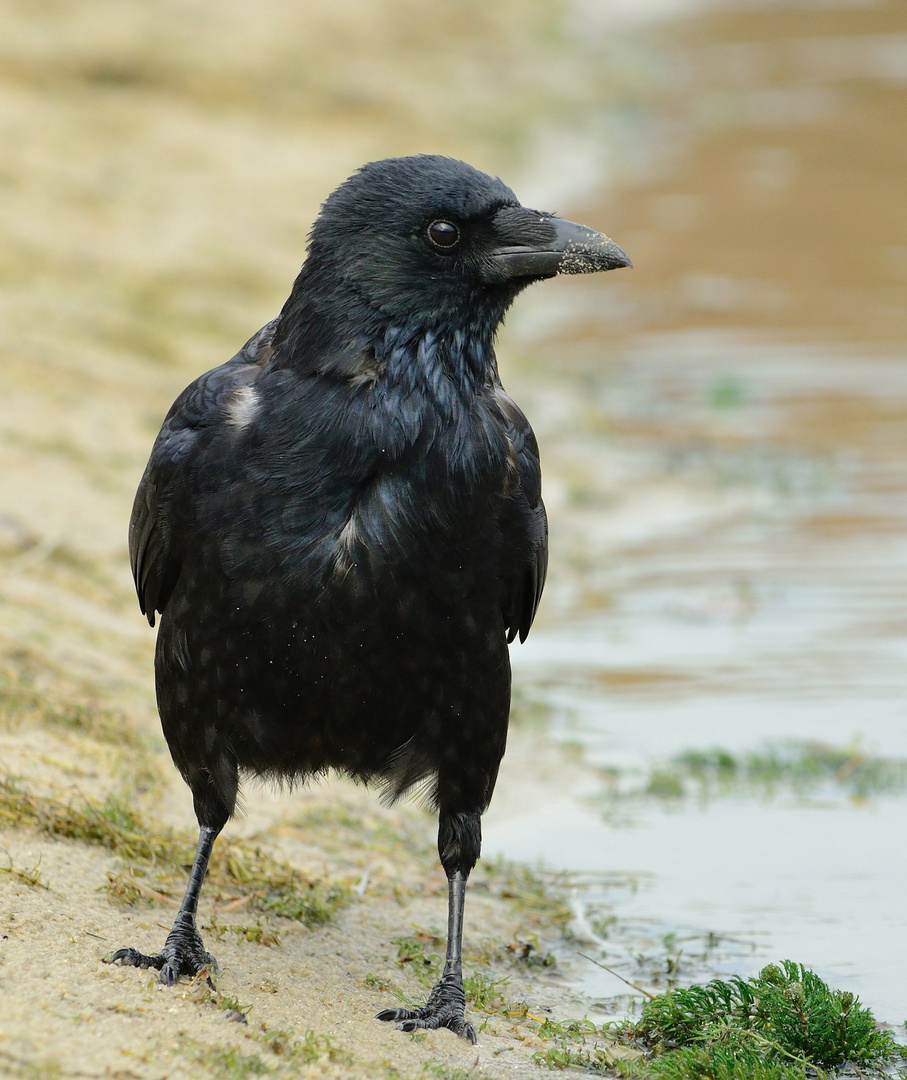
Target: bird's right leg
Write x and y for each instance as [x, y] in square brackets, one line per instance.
[183, 952]
[459, 843]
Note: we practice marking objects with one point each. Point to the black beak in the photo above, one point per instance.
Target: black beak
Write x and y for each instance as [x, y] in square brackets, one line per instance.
[534, 245]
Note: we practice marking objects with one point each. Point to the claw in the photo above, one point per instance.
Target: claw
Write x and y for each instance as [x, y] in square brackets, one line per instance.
[183, 954]
[446, 1007]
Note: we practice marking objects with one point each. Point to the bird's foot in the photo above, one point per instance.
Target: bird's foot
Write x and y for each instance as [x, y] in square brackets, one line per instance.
[183, 954]
[446, 1007]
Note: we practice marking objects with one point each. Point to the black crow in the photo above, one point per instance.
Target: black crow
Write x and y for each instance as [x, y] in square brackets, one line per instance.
[342, 526]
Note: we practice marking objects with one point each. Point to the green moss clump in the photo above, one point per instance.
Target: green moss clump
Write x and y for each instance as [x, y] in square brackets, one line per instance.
[785, 1024]
[716, 1063]
[786, 1012]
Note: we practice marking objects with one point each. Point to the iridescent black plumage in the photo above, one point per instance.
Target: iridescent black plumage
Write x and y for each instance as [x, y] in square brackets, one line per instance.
[342, 526]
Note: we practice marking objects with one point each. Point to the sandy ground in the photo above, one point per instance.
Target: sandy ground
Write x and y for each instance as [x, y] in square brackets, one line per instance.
[307, 996]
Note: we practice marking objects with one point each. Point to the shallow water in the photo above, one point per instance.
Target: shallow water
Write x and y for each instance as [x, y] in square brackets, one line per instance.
[730, 555]
[784, 621]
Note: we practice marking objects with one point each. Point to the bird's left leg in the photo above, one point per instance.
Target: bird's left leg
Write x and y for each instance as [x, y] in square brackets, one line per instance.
[183, 952]
[459, 843]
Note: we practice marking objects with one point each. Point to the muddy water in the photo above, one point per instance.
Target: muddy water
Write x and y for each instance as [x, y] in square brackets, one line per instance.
[728, 431]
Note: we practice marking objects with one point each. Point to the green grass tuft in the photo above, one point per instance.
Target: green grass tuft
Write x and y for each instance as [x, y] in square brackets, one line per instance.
[14, 1067]
[226, 1063]
[442, 1071]
[576, 1044]
[537, 895]
[34, 692]
[800, 768]
[414, 951]
[26, 876]
[311, 902]
[308, 1050]
[484, 993]
[282, 1053]
[257, 934]
[236, 869]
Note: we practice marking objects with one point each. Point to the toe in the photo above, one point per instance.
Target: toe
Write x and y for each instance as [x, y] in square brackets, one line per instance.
[392, 1015]
[134, 958]
[430, 1017]
[465, 1031]
[170, 973]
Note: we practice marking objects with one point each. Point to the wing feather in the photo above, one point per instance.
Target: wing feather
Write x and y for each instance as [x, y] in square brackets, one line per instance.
[165, 498]
[526, 525]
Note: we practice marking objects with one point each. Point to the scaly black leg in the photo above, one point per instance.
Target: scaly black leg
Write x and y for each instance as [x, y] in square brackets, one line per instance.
[183, 952]
[446, 1005]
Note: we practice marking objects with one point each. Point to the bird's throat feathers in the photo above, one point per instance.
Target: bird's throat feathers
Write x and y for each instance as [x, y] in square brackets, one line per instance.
[448, 363]
[449, 367]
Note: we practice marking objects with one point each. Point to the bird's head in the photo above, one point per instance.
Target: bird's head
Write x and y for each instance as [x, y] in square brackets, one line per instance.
[432, 241]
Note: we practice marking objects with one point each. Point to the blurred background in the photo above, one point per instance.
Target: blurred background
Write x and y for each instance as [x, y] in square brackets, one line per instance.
[715, 685]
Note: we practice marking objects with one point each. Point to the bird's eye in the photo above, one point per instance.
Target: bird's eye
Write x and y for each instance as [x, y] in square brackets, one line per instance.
[444, 234]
